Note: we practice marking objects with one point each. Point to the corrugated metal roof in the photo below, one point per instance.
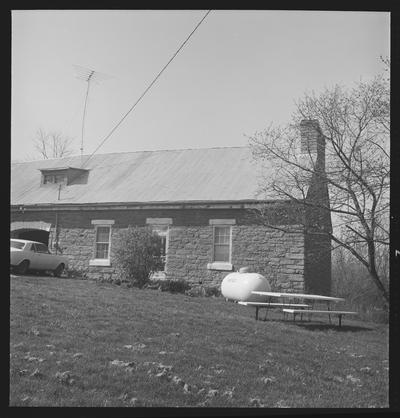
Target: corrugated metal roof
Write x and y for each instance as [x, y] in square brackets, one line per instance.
[212, 174]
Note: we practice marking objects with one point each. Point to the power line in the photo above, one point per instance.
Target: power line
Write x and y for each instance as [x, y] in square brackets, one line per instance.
[147, 89]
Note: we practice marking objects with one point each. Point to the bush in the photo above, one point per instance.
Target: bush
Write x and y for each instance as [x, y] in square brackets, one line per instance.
[213, 291]
[206, 291]
[350, 280]
[173, 286]
[75, 274]
[137, 254]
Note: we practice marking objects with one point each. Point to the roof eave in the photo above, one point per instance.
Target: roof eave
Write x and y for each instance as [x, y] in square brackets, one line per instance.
[192, 204]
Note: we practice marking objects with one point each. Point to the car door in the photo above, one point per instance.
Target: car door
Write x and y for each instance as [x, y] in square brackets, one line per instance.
[46, 259]
[34, 257]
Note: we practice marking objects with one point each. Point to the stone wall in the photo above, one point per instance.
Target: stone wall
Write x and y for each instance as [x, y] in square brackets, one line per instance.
[276, 254]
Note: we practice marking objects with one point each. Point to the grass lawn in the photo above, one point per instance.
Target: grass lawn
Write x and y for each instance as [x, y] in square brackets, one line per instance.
[80, 343]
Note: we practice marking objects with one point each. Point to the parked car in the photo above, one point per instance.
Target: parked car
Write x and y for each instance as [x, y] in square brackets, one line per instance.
[31, 255]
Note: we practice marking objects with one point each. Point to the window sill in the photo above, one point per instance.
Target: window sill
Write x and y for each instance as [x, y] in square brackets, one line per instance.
[218, 265]
[99, 262]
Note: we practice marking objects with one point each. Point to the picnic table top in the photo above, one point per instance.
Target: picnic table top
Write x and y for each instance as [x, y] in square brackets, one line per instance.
[298, 296]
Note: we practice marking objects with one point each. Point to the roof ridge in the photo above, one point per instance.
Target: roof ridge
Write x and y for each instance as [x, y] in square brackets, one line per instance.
[131, 152]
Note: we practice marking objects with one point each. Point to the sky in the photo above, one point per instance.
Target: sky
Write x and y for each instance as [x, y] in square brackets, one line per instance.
[238, 73]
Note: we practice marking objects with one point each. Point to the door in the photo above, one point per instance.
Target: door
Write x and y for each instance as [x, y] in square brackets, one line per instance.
[43, 260]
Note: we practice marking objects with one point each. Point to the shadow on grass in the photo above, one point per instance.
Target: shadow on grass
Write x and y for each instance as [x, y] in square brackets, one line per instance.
[312, 326]
[31, 273]
[318, 326]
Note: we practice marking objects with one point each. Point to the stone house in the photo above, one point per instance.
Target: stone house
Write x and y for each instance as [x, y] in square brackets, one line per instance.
[202, 202]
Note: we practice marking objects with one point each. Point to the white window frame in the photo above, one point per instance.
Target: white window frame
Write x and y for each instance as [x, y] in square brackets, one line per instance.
[101, 261]
[221, 265]
[155, 223]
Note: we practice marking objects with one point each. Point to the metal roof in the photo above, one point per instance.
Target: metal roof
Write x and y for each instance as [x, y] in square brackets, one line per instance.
[188, 175]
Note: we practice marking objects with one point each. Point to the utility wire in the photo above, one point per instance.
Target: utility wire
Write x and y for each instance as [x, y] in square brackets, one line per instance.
[147, 89]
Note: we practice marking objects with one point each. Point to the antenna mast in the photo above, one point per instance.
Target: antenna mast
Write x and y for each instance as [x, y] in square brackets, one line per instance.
[87, 75]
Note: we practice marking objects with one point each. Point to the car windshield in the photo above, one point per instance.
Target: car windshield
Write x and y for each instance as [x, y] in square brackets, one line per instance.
[17, 244]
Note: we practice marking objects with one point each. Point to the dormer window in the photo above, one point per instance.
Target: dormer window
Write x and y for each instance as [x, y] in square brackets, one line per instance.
[54, 178]
[64, 175]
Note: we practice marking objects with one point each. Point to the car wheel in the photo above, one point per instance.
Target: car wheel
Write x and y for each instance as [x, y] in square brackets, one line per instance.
[22, 267]
[59, 270]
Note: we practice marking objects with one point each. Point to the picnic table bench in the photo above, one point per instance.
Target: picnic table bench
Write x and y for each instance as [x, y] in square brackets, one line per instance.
[267, 305]
[339, 314]
[294, 303]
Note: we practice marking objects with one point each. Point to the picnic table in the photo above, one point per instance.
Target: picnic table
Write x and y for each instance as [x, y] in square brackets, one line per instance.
[294, 303]
[299, 296]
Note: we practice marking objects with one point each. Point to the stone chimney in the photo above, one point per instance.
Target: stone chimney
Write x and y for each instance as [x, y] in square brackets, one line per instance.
[317, 221]
[313, 141]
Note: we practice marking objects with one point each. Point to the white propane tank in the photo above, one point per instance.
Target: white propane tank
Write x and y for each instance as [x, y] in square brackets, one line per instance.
[239, 285]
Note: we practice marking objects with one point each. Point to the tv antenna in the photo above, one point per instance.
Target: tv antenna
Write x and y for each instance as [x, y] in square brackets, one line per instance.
[88, 75]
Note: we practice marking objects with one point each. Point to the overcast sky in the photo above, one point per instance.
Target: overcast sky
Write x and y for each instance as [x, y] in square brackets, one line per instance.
[239, 72]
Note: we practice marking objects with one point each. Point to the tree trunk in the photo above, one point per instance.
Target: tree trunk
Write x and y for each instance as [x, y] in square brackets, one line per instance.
[374, 274]
[380, 286]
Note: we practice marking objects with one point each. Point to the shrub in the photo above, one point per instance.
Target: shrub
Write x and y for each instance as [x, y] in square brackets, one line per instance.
[213, 291]
[206, 291]
[350, 280]
[75, 274]
[173, 286]
[195, 291]
[137, 254]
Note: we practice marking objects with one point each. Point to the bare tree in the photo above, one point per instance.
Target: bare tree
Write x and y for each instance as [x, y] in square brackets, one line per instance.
[52, 144]
[355, 127]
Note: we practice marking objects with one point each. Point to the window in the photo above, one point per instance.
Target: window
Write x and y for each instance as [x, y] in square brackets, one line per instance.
[102, 244]
[162, 232]
[41, 248]
[64, 175]
[17, 244]
[60, 178]
[48, 178]
[161, 227]
[54, 178]
[221, 244]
